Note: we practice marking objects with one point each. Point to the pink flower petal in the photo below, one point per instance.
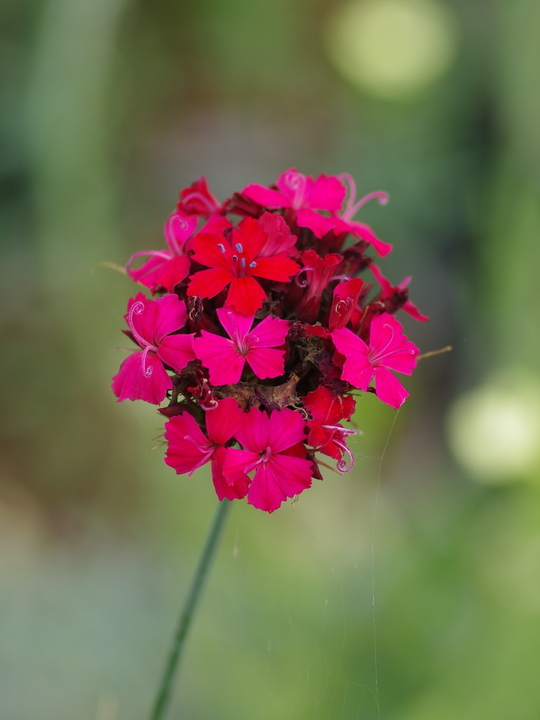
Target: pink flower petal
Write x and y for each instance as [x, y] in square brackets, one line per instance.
[149, 270]
[286, 428]
[223, 421]
[364, 232]
[238, 489]
[253, 435]
[133, 383]
[318, 224]
[221, 357]
[266, 363]
[357, 369]
[389, 389]
[279, 237]
[326, 193]
[280, 478]
[171, 316]
[236, 324]
[268, 333]
[265, 197]
[188, 448]
[388, 345]
[176, 351]
[235, 463]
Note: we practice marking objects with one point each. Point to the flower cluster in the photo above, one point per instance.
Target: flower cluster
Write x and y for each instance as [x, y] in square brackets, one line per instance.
[258, 331]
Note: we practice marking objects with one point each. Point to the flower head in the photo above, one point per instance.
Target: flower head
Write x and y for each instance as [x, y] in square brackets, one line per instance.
[260, 330]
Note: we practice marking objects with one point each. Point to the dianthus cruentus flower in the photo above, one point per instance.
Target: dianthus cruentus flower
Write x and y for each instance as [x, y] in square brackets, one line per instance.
[388, 350]
[261, 329]
[189, 448]
[225, 357]
[395, 297]
[142, 375]
[325, 432]
[304, 196]
[236, 263]
[274, 449]
[166, 268]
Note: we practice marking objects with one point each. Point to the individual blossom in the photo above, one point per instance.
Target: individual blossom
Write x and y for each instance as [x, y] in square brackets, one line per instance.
[143, 375]
[188, 448]
[325, 433]
[388, 350]
[225, 357]
[304, 196]
[344, 223]
[345, 302]
[236, 263]
[166, 268]
[198, 200]
[273, 448]
[395, 297]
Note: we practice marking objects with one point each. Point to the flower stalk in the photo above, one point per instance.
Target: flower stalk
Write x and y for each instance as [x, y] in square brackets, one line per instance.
[188, 611]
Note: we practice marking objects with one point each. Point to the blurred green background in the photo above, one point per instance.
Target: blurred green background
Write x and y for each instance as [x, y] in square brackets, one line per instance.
[408, 589]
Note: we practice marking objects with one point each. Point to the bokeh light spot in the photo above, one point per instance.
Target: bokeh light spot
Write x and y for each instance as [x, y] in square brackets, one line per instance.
[494, 430]
[392, 48]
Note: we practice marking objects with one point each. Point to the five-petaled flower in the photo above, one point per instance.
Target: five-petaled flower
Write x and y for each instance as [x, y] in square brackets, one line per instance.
[142, 375]
[388, 350]
[189, 448]
[304, 196]
[274, 449]
[236, 263]
[225, 358]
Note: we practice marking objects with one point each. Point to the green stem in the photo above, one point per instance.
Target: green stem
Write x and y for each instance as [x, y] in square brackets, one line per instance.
[189, 609]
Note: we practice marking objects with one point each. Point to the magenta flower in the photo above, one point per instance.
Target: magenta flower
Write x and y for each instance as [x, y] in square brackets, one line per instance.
[395, 297]
[237, 263]
[274, 449]
[344, 223]
[166, 268]
[142, 375]
[225, 358]
[388, 350]
[188, 447]
[325, 433]
[304, 195]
